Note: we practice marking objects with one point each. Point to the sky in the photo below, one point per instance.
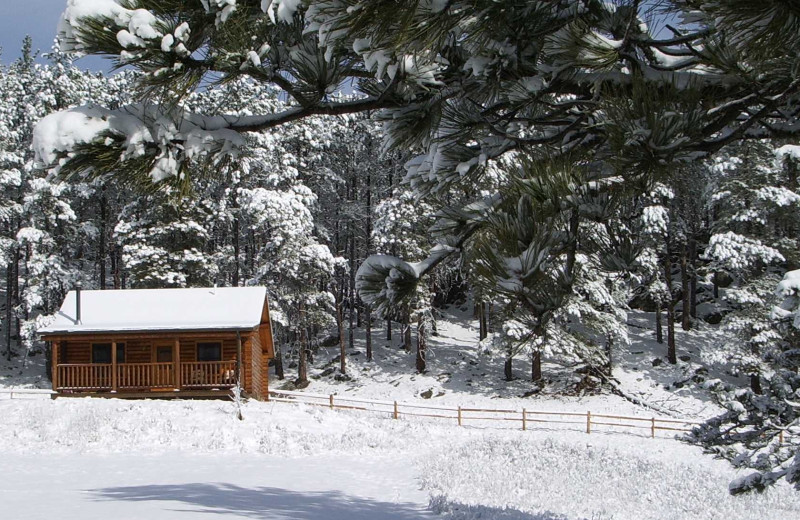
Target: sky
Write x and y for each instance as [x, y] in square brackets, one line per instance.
[37, 18]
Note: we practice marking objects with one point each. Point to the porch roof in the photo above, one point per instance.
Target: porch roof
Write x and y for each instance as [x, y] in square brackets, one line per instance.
[141, 310]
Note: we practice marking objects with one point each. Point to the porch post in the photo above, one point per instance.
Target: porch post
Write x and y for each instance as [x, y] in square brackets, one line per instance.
[239, 361]
[113, 365]
[176, 362]
[54, 363]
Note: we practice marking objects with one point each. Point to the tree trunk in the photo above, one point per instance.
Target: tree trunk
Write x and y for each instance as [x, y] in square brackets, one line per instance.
[342, 350]
[685, 314]
[9, 304]
[482, 320]
[421, 344]
[302, 364]
[716, 286]
[352, 297]
[659, 326]
[407, 333]
[236, 244]
[279, 364]
[15, 288]
[536, 366]
[671, 352]
[507, 369]
[755, 384]
[102, 244]
[368, 316]
[388, 329]
[609, 354]
[693, 277]
[116, 258]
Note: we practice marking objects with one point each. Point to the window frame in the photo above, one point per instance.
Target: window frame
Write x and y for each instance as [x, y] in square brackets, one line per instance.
[201, 345]
[107, 344]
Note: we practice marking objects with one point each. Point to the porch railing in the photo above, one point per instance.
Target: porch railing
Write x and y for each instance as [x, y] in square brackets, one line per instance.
[208, 374]
[84, 377]
[146, 376]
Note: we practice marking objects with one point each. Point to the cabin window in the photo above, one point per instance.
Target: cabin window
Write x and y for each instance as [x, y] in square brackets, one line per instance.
[209, 352]
[101, 353]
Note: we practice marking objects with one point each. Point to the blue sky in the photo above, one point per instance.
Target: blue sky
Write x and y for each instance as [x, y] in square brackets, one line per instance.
[38, 18]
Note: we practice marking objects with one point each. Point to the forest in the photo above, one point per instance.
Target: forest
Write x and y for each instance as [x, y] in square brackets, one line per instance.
[551, 165]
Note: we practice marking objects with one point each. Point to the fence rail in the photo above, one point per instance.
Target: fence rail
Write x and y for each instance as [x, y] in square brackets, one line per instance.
[25, 393]
[524, 418]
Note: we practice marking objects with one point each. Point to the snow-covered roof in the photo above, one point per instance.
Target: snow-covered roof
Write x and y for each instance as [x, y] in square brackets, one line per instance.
[139, 310]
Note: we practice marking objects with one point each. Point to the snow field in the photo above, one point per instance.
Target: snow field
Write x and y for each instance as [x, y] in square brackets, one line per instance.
[405, 466]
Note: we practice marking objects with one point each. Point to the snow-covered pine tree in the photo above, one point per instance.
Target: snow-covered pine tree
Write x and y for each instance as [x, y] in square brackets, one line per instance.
[755, 240]
[467, 81]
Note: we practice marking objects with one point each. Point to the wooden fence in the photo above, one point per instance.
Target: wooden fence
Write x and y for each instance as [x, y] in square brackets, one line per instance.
[492, 417]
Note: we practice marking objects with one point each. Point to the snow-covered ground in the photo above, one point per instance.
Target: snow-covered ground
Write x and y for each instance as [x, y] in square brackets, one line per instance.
[92, 458]
[461, 374]
[86, 458]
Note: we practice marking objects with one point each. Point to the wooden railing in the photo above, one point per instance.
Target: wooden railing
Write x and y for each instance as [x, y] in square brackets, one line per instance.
[84, 377]
[208, 374]
[145, 375]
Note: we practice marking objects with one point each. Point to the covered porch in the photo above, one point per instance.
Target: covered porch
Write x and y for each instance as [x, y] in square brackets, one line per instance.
[137, 363]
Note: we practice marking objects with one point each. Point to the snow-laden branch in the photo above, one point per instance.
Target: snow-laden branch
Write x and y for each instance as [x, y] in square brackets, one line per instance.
[170, 137]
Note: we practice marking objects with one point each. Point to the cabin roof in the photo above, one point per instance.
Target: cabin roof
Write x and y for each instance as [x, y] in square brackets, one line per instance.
[139, 310]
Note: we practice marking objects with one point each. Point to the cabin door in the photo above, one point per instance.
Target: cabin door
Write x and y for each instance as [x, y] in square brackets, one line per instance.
[164, 353]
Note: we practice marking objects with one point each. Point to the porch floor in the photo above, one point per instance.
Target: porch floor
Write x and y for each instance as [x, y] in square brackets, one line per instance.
[158, 394]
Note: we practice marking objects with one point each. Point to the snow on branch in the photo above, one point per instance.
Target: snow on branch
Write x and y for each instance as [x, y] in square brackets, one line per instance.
[135, 131]
[171, 138]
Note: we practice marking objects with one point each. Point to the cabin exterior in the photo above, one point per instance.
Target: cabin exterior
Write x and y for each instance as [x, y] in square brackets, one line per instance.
[161, 342]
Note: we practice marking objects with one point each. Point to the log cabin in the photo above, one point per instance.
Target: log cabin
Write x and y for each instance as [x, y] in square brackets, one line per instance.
[161, 342]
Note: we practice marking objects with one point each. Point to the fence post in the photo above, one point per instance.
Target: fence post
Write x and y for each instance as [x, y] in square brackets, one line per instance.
[524, 421]
[588, 422]
[331, 400]
[459, 416]
[653, 428]
[394, 413]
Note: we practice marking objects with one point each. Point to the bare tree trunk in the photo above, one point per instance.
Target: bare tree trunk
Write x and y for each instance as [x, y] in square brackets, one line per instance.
[368, 312]
[421, 344]
[609, 354]
[388, 329]
[716, 286]
[302, 364]
[685, 315]
[116, 268]
[693, 279]
[368, 251]
[352, 297]
[342, 350]
[236, 244]
[9, 304]
[482, 320]
[755, 384]
[507, 368]
[279, 364]
[671, 352]
[536, 366]
[15, 288]
[659, 326]
[103, 232]
[407, 332]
